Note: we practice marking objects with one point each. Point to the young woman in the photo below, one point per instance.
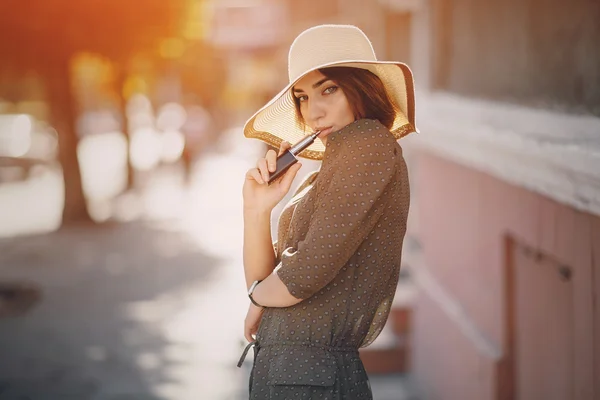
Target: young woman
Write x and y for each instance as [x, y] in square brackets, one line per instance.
[325, 288]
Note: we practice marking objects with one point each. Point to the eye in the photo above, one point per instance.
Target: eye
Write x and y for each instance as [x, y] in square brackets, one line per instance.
[330, 90]
[302, 98]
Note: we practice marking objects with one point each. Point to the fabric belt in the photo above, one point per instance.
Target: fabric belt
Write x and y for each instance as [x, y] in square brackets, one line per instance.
[243, 357]
[257, 346]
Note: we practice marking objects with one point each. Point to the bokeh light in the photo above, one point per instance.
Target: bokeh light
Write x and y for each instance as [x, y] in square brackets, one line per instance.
[103, 158]
[171, 116]
[173, 143]
[15, 135]
[146, 148]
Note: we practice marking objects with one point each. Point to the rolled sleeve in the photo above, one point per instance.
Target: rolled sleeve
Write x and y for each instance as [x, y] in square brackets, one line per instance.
[347, 209]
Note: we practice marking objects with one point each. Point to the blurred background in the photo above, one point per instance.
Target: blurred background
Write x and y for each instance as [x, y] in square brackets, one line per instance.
[122, 162]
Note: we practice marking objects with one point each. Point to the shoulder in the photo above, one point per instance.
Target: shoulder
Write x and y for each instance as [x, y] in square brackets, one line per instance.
[368, 128]
[369, 140]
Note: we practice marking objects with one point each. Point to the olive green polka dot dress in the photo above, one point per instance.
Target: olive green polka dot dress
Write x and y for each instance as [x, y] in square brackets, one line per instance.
[339, 248]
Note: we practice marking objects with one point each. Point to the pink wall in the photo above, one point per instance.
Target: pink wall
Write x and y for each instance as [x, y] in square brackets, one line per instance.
[473, 229]
[446, 359]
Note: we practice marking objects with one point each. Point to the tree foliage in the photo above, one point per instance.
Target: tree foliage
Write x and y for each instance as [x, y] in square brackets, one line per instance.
[43, 36]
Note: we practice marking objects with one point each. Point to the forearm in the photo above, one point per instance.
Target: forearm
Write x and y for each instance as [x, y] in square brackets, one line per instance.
[272, 292]
[259, 256]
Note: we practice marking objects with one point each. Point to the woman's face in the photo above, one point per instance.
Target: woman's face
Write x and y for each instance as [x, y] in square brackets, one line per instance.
[323, 104]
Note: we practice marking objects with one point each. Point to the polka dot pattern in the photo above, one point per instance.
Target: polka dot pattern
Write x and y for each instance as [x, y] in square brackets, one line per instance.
[338, 248]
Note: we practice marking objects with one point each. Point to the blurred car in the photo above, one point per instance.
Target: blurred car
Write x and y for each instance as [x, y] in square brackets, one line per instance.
[25, 143]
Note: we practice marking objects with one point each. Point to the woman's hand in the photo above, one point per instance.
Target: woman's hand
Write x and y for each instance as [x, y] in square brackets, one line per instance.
[260, 196]
[252, 321]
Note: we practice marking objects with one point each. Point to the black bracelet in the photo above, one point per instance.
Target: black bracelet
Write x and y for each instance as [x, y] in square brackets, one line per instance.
[251, 290]
[254, 302]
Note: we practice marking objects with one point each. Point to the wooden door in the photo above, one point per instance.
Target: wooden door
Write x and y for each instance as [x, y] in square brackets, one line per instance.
[541, 332]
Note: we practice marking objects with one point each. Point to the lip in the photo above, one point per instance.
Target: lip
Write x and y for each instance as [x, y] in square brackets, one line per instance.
[324, 131]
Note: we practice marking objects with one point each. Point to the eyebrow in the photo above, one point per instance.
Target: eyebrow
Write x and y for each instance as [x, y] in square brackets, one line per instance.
[315, 85]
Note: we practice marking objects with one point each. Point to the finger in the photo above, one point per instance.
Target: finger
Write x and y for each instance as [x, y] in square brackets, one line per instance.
[271, 160]
[264, 171]
[247, 334]
[254, 174]
[283, 147]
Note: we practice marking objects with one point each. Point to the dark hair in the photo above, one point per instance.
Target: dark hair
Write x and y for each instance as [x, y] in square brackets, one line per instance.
[365, 93]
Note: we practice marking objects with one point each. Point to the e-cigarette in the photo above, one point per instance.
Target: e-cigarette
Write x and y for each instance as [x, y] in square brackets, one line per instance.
[288, 158]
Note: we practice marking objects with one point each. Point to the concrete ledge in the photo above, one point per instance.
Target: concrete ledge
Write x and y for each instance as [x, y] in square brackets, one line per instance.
[551, 153]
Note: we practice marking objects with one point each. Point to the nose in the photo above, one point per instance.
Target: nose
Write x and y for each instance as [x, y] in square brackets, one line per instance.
[315, 112]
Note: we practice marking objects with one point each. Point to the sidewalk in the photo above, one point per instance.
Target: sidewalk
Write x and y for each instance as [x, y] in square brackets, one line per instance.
[151, 309]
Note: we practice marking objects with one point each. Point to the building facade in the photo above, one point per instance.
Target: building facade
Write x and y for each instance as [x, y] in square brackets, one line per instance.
[506, 174]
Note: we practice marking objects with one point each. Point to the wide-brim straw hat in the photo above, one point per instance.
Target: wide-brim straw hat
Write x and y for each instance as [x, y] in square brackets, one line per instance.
[325, 46]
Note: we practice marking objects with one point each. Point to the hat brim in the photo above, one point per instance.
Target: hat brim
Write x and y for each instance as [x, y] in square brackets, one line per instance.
[276, 121]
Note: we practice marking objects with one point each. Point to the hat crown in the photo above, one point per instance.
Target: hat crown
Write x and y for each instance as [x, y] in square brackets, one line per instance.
[325, 44]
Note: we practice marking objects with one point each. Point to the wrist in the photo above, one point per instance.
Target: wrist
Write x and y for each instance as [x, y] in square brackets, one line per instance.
[257, 213]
